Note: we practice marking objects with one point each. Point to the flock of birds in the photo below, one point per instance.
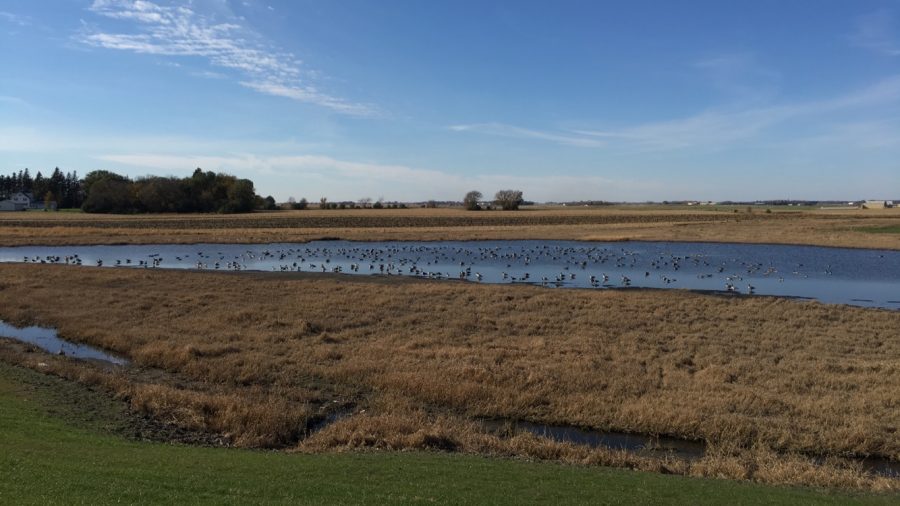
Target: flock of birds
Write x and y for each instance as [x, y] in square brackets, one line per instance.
[540, 264]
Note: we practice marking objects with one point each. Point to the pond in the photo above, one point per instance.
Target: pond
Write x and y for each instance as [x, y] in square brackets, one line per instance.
[48, 340]
[860, 277]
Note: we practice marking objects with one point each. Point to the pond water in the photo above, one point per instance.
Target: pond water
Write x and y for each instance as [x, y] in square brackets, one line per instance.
[860, 277]
[48, 340]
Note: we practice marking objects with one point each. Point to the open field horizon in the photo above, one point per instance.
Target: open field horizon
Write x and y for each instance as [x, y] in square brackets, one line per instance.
[843, 228]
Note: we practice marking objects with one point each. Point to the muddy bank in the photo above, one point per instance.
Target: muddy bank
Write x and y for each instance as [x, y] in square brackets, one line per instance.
[94, 409]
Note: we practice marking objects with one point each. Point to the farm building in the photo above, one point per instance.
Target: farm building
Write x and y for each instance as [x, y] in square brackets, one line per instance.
[878, 204]
[18, 202]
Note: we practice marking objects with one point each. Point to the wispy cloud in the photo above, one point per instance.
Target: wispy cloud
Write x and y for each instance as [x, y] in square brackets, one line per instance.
[864, 135]
[348, 180]
[876, 31]
[208, 74]
[504, 130]
[740, 75]
[6, 99]
[708, 129]
[182, 31]
[16, 19]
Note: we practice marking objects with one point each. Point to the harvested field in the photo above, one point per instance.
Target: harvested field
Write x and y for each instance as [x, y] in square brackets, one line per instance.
[257, 358]
[825, 228]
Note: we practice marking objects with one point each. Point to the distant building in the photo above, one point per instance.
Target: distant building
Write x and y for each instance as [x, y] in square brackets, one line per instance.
[18, 202]
[878, 204]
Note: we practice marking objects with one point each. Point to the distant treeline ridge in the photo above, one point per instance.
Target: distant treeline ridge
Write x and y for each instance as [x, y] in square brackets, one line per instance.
[103, 191]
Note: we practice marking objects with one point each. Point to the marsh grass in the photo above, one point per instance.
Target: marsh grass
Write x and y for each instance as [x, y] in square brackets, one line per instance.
[48, 457]
[766, 383]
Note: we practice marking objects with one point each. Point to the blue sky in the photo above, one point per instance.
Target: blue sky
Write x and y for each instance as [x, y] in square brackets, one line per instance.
[415, 100]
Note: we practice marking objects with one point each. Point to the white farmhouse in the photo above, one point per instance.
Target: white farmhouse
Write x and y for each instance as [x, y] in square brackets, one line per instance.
[18, 202]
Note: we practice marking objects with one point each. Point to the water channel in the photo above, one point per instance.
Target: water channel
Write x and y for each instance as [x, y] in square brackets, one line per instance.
[48, 340]
[861, 277]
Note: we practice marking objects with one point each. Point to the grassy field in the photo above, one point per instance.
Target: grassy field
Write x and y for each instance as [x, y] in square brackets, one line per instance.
[888, 229]
[780, 391]
[46, 457]
[256, 358]
[664, 223]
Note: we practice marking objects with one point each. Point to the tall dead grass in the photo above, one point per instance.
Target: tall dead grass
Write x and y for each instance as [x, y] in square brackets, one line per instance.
[258, 356]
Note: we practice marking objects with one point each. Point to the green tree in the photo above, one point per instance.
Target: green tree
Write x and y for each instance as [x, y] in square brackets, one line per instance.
[109, 196]
[241, 196]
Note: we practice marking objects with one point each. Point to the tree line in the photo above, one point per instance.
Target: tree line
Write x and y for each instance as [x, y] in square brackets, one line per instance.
[508, 200]
[65, 189]
[102, 191]
[202, 192]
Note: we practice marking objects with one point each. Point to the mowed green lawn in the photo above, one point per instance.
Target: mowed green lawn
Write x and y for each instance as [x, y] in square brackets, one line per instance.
[47, 456]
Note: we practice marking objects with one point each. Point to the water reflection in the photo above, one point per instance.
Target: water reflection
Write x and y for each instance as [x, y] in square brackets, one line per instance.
[835, 275]
[48, 340]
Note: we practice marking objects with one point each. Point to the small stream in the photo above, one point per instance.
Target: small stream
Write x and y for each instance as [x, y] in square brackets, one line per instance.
[48, 340]
[644, 445]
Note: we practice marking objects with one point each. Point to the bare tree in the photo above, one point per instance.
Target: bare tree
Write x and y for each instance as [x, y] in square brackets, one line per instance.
[471, 200]
[508, 200]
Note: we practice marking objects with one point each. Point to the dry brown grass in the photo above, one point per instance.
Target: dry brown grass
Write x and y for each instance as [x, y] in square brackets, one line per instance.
[256, 356]
[827, 228]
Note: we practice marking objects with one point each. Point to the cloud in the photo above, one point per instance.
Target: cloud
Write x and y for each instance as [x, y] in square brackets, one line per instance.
[862, 135]
[208, 74]
[712, 129]
[183, 32]
[740, 75]
[6, 99]
[16, 19]
[28, 138]
[309, 94]
[504, 130]
[875, 31]
[292, 175]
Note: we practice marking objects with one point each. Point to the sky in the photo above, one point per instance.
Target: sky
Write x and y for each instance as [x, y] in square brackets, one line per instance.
[411, 100]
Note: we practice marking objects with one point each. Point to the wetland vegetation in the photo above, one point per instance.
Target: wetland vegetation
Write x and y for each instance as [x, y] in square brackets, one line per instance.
[780, 391]
[775, 391]
[62, 440]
